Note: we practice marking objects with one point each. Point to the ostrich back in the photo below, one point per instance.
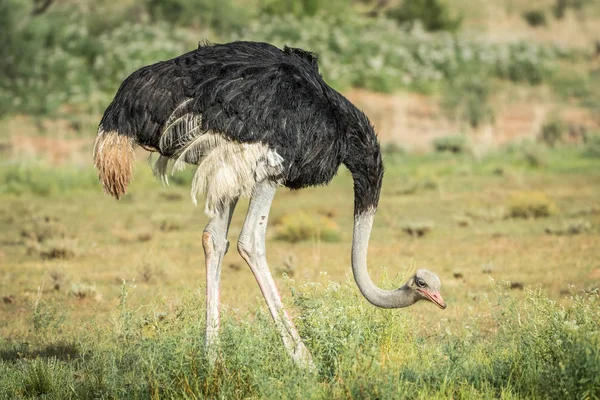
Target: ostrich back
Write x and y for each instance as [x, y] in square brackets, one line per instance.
[241, 93]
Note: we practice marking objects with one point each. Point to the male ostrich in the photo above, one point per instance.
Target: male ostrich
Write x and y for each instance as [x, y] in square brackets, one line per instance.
[252, 117]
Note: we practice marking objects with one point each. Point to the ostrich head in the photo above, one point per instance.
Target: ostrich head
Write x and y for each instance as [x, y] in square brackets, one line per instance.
[425, 285]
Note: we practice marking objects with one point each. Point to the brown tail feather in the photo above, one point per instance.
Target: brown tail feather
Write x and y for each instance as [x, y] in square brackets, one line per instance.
[113, 157]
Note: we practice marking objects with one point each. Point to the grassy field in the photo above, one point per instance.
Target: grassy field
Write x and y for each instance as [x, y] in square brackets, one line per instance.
[104, 299]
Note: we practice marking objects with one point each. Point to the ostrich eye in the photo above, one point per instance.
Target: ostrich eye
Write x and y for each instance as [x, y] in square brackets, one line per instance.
[420, 282]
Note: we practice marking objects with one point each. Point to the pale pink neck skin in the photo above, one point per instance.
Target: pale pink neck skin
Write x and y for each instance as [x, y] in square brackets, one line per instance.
[398, 298]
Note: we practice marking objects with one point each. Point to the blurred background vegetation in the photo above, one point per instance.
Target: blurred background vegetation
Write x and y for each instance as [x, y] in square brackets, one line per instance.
[63, 58]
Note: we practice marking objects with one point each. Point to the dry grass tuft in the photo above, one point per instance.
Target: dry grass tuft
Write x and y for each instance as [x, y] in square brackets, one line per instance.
[167, 223]
[462, 221]
[574, 227]
[530, 204]
[289, 266]
[418, 228]
[46, 236]
[413, 186]
[487, 214]
[301, 226]
[171, 196]
[43, 228]
[58, 249]
[58, 279]
[126, 236]
[149, 272]
[84, 291]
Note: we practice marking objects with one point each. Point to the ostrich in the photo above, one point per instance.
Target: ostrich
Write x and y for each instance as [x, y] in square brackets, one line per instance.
[252, 117]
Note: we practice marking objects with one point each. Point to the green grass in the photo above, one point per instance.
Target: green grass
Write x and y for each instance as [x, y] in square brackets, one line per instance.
[70, 328]
[538, 349]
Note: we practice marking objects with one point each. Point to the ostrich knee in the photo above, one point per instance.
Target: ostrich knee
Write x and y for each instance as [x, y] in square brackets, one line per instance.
[249, 250]
[214, 244]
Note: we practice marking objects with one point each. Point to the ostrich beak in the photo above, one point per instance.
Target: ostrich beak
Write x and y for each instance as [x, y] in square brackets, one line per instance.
[434, 297]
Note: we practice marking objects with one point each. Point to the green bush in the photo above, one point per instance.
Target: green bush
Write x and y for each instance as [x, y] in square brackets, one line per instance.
[530, 204]
[535, 18]
[377, 54]
[76, 60]
[39, 73]
[560, 6]
[525, 63]
[570, 84]
[418, 228]
[223, 15]
[58, 55]
[534, 156]
[592, 146]
[531, 153]
[552, 132]
[126, 48]
[393, 149]
[303, 8]
[456, 144]
[433, 14]
[466, 98]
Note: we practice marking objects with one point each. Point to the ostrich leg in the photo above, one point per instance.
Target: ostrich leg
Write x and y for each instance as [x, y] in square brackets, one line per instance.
[251, 246]
[215, 243]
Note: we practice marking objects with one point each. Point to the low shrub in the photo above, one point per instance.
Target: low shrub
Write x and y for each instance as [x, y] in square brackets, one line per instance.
[46, 237]
[466, 98]
[79, 62]
[535, 18]
[463, 221]
[301, 226]
[43, 228]
[533, 154]
[560, 6]
[134, 235]
[304, 8]
[418, 228]
[592, 146]
[58, 249]
[223, 16]
[574, 227]
[571, 85]
[377, 54]
[487, 214]
[84, 291]
[393, 149]
[433, 14]
[456, 144]
[414, 185]
[530, 204]
[552, 132]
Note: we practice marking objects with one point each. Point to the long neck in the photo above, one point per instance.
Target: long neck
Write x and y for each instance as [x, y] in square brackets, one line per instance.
[365, 163]
[398, 298]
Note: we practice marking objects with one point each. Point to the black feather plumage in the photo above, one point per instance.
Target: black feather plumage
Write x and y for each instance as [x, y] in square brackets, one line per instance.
[255, 93]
